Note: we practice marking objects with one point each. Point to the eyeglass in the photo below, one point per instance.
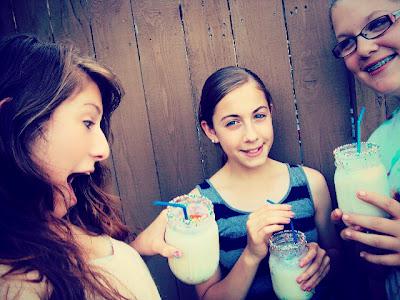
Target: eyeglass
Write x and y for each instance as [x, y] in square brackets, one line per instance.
[372, 30]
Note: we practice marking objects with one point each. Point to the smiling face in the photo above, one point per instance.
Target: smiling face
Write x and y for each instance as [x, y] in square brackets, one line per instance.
[71, 142]
[375, 62]
[242, 125]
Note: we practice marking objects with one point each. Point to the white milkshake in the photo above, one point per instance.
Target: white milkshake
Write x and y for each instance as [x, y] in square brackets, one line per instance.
[359, 172]
[285, 255]
[197, 237]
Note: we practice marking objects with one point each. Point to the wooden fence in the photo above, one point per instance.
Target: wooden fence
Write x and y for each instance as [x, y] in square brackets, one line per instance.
[164, 50]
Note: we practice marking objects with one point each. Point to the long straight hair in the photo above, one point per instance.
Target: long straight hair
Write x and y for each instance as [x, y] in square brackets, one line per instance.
[35, 78]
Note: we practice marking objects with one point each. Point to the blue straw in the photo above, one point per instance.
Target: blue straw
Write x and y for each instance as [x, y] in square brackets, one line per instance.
[291, 224]
[359, 120]
[162, 203]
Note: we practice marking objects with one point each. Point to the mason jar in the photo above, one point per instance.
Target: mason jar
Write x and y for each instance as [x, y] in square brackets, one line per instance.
[361, 171]
[285, 255]
[197, 237]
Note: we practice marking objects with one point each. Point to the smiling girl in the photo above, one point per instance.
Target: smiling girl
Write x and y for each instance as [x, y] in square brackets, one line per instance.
[235, 112]
[368, 35]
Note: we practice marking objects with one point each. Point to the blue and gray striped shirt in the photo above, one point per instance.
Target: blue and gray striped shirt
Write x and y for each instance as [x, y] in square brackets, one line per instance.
[232, 227]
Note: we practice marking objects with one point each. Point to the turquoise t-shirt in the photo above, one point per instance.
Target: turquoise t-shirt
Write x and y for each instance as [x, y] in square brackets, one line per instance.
[387, 136]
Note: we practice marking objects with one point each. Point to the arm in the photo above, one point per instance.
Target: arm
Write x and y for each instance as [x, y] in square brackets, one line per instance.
[260, 226]
[151, 240]
[319, 257]
[389, 229]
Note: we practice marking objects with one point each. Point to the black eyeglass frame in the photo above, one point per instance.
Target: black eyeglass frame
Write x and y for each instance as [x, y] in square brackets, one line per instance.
[395, 15]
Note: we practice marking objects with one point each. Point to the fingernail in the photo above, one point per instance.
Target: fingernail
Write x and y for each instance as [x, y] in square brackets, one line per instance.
[177, 254]
[362, 193]
[362, 254]
[348, 233]
[345, 217]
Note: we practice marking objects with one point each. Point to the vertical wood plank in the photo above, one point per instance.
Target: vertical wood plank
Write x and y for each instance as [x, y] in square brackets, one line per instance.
[7, 25]
[70, 23]
[168, 95]
[115, 45]
[322, 92]
[209, 43]
[260, 39]
[33, 17]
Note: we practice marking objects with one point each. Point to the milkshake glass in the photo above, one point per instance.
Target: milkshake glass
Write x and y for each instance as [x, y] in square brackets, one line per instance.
[355, 172]
[284, 259]
[197, 237]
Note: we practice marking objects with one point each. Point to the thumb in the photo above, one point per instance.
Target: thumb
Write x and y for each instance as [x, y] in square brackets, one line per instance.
[169, 251]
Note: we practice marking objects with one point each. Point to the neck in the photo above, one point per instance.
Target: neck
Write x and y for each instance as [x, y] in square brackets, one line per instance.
[245, 174]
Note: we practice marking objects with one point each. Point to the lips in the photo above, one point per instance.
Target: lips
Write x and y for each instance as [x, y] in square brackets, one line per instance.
[254, 151]
[371, 68]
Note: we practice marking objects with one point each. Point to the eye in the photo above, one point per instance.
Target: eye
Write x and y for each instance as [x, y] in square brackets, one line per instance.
[88, 123]
[347, 44]
[260, 116]
[378, 24]
[231, 123]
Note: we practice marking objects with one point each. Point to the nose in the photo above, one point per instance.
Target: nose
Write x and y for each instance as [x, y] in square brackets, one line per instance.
[100, 147]
[366, 47]
[250, 133]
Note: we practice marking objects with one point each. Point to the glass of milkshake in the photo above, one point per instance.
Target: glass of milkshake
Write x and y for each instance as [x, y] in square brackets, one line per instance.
[359, 171]
[196, 236]
[284, 259]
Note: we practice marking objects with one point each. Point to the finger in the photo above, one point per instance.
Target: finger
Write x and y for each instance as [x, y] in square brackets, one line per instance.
[270, 206]
[374, 240]
[265, 214]
[336, 215]
[387, 226]
[314, 268]
[310, 255]
[389, 205]
[386, 259]
[315, 280]
[256, 224]
[263, 235]
[169, 251]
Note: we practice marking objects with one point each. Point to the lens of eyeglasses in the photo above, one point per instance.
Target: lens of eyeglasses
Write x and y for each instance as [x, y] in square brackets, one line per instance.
[376, 27]
[345, 47]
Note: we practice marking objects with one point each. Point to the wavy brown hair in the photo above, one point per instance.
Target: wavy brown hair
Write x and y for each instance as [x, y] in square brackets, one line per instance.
[35, 78]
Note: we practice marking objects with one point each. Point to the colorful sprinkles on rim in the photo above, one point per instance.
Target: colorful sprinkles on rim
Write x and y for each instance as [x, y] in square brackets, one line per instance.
[198, 209]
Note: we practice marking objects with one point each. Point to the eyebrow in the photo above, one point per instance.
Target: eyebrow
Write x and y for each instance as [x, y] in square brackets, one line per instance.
[372, 16]
[95, 106]
[236, 116]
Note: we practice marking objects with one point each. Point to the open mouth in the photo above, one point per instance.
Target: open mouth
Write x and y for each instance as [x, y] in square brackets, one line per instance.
[380, 63]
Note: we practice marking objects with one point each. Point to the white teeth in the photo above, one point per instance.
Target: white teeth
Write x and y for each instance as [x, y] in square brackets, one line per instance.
[380, 63]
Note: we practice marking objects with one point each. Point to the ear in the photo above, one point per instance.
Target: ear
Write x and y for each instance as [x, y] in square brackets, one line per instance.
[210, 132]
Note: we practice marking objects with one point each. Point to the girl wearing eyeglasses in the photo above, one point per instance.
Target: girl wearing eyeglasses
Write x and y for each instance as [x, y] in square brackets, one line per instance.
[368, 34]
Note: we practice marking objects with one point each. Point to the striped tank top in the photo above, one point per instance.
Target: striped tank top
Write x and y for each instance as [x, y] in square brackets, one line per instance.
[232, 227]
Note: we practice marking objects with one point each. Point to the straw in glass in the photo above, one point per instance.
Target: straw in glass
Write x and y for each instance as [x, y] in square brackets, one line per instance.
[162, 203]
[359, 120]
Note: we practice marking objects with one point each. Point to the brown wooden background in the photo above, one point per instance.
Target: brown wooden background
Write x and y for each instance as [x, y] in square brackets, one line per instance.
[164, 50]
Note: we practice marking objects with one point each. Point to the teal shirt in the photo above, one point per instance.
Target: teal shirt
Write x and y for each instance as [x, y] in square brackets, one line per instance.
[387, 136]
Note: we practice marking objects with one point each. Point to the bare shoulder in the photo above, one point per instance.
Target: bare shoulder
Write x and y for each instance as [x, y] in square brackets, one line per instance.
[20, 286]
[314, 177]
[319, 189]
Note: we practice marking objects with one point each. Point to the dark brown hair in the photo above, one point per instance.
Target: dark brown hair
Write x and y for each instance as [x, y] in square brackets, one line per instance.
[35, 78]
[222, 82]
